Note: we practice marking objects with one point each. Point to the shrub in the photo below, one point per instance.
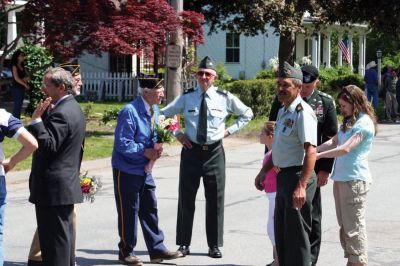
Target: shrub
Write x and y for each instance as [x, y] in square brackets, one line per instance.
[110, 115]
[268, 73]
[223, 76]
[257, 94]
[37, 60]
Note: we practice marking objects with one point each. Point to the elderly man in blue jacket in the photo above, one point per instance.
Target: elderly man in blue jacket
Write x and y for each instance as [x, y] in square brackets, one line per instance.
[134, 189]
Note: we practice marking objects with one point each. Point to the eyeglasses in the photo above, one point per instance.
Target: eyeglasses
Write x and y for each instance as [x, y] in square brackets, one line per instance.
[201, 73]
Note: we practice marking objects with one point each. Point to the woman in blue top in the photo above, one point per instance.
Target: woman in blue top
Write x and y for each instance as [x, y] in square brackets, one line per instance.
[351, 147]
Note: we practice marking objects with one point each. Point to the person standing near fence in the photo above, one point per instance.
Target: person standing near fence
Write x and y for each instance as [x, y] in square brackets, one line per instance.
[20, 84]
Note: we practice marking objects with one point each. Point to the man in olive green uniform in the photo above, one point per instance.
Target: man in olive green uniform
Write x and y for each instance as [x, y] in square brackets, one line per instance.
[324, 108]
[294, 155]
[205, 108]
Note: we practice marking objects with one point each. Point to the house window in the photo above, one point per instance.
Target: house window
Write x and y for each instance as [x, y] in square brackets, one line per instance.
[307, 47]
[121, 63]
[232, 47]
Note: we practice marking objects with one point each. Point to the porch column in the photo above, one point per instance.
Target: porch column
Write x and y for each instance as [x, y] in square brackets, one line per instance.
[351, 50]
[339, 59]
[319, 50]
[314, 53]
[11, 27]
[327, 49]
[361, 55]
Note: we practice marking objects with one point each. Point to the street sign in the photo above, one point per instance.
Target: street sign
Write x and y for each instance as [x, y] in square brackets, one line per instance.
[173, 56]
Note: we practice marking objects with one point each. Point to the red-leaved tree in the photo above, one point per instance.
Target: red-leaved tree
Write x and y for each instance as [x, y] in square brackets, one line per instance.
[69, 28]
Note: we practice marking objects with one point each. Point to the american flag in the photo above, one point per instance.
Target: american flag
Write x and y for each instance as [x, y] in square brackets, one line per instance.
[345, 50]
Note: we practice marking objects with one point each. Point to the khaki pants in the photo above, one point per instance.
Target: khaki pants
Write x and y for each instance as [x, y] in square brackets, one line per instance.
[35, 252]
[350, 202]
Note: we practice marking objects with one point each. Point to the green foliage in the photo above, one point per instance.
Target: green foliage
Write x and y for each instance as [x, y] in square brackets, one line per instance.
[223, 76]
[88, 110]
[258, 94]
[110, 115]
[37, 60]
[393, 61]
[268, 73]
[332, 79]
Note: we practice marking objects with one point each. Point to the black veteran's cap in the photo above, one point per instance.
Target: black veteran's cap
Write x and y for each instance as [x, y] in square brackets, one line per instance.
[207, 63]
[287, 71]
[150, 83]
[73, 67]
[310, 73]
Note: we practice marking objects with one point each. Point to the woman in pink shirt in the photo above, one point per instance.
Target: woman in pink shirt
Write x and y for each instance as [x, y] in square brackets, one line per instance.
[269, 184]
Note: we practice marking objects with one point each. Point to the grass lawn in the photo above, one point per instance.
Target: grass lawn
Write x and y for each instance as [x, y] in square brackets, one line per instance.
[100, 137]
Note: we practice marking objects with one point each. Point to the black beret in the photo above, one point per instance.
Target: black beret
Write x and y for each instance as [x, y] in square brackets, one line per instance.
[310, 73]
[287, 71]
[150, 83]
[73, 67]
[207, 63]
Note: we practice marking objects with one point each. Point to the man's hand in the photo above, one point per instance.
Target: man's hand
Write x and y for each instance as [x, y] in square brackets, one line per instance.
[41, 108]
[259, 179]
[322, 178]
[152, 154]
[184, 140]
[7, 165]
[299, 196]
[226, 134]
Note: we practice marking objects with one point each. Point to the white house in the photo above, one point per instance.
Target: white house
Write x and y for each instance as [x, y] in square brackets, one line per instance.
[244, 56]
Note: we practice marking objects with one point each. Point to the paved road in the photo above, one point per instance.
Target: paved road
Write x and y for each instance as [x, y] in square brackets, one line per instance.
[246, 242]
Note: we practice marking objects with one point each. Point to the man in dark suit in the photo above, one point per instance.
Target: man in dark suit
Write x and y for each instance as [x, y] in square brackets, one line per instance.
[54, 180]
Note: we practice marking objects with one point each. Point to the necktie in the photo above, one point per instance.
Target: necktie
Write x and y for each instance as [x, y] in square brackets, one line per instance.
[202, 124]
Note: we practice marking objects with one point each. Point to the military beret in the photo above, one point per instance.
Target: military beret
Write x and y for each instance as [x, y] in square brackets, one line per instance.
[310, 73]
[207, 63]
[73, 67]
[287, 71]
[150, 83]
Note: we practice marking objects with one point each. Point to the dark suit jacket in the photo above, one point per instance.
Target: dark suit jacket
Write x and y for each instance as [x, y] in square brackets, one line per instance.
[54, 178]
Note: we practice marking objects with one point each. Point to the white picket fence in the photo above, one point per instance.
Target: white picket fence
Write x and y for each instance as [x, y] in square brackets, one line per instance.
[116, 86]
[108, 86]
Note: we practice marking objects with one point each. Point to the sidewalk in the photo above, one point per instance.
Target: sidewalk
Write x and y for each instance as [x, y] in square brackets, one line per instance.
[170, 150]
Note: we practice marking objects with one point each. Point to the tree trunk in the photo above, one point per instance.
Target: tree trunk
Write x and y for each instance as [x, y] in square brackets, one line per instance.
[287, 45]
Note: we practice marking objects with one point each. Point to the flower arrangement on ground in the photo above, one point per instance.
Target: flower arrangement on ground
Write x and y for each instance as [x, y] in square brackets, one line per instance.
[164, 129]
[89, 186]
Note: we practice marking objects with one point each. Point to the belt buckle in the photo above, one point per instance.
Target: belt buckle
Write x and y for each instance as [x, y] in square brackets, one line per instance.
[204, 147]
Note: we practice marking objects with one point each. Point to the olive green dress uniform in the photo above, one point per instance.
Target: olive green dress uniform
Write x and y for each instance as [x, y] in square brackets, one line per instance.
[205, 160]
[325, 110]
[295, 126]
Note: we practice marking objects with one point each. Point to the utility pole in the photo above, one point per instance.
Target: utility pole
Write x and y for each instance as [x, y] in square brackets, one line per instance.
[174, 58]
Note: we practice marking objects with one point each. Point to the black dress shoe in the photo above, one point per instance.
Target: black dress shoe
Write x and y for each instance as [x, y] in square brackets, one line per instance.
[34, 263]
[214, 252]
[184, 250]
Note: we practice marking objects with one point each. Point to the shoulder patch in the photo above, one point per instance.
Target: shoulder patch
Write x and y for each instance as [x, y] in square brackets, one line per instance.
[299, 107]
[221, 91]
[188, 91]
[323, 94]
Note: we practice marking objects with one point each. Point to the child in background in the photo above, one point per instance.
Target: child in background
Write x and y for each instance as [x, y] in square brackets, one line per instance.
[269, 184]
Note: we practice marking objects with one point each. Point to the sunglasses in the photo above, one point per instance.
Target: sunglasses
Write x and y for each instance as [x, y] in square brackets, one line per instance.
[201, 73]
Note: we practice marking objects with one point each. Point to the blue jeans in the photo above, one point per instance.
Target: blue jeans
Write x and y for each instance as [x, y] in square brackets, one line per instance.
[18, 94]
[372, 94]
[3, 195]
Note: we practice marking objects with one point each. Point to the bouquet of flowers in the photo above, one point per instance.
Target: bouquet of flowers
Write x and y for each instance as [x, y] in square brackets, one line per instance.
[164, 129]
[89, 186]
